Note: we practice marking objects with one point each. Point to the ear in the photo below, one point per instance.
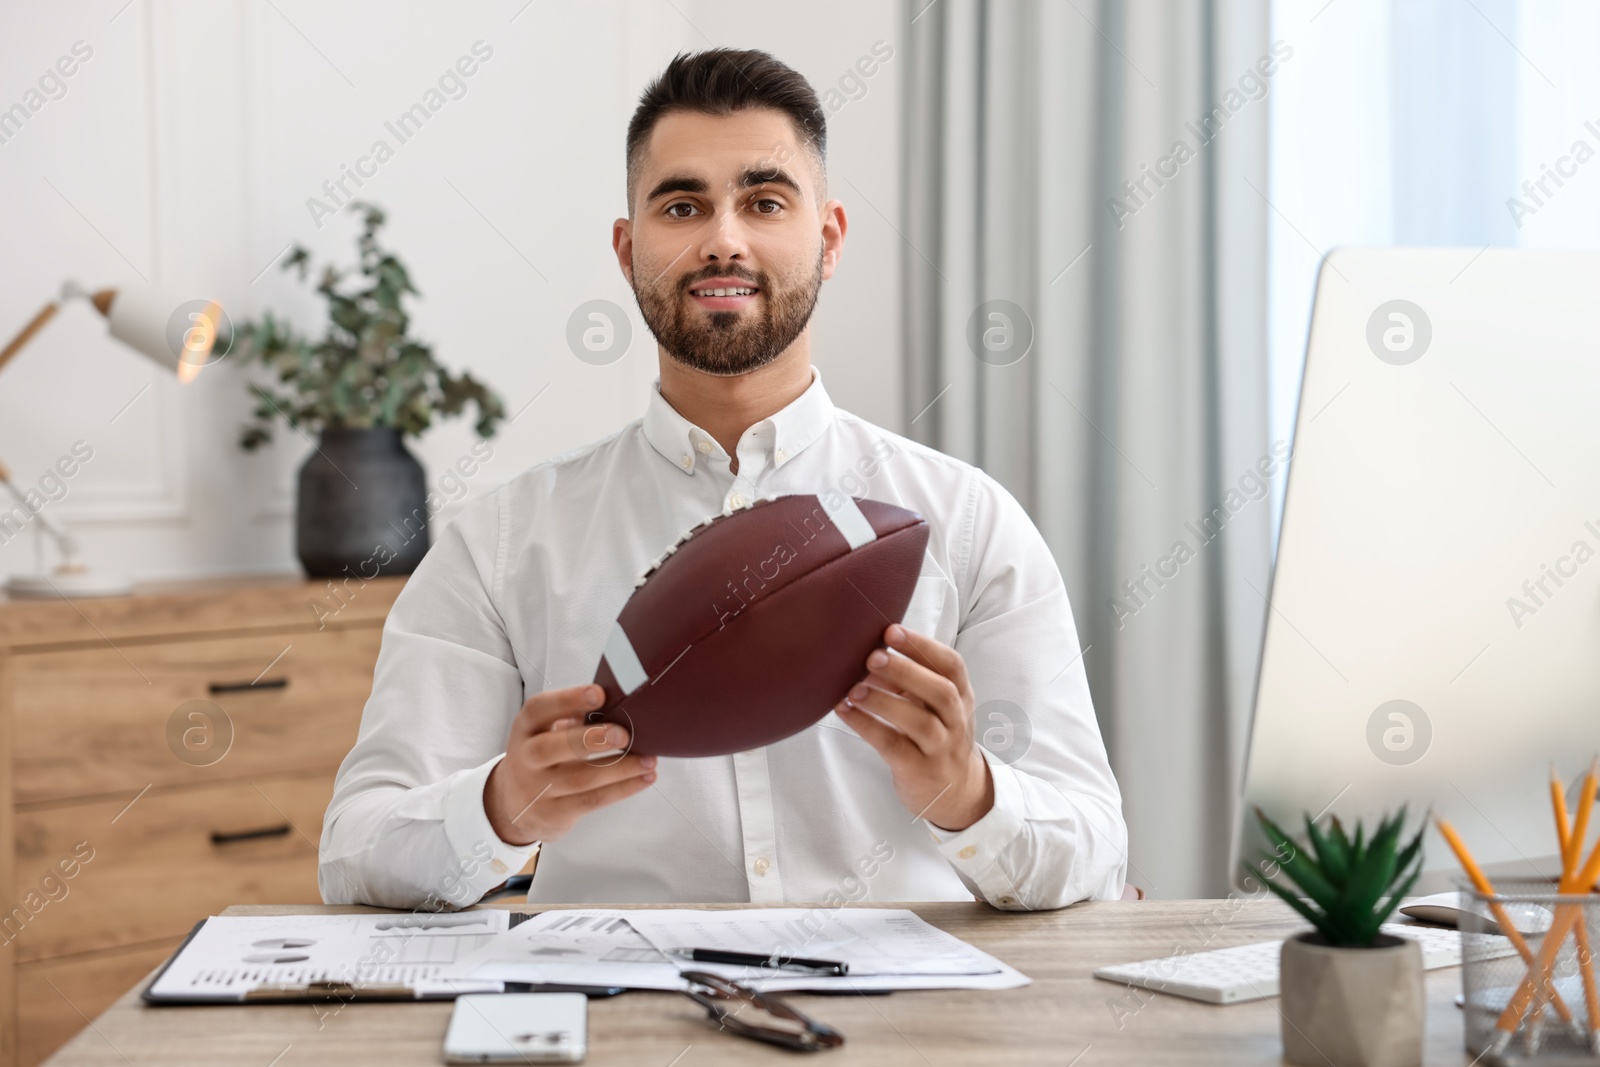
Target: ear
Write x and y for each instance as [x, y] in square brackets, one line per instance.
[834, 225]
[622, 245]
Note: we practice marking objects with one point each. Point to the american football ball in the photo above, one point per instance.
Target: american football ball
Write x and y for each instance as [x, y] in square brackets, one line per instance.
[756, 623]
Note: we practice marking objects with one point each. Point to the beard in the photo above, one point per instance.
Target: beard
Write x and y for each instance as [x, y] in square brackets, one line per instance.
[727, 343]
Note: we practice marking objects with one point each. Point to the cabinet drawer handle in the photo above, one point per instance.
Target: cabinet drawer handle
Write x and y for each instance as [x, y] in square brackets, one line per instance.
[249, 835]
[245, 687]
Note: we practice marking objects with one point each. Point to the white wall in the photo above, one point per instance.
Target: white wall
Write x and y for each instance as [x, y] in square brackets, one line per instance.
[183, 153]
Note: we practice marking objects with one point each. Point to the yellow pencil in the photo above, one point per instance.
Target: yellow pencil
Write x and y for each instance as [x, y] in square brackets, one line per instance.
[1558, 806]
[1569, 841]
[1561, 925]
[1580, 823]
[1574, 847]
[1481, 883]
[1558, 801]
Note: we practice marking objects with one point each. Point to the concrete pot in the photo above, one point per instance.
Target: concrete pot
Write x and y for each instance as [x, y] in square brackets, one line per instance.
[1352, 1007]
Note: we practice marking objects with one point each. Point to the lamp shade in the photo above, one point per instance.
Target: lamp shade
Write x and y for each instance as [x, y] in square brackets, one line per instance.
[178, 333]
[182, 335]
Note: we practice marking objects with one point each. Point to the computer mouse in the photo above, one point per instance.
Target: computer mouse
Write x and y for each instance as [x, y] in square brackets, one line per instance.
[1451, 909]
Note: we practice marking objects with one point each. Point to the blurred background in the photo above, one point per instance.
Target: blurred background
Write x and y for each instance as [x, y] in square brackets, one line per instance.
[1146, 189]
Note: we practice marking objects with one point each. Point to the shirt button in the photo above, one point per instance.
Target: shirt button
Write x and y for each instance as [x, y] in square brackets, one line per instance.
[703, 447]
[782, 455]
[737, 500]
[498, 866]
[968, 852]
[687, 461]
[762, 865]
[1007, 901]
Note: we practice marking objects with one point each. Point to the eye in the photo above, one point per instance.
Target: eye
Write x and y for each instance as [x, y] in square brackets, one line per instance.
[689, 210]
[768, 206]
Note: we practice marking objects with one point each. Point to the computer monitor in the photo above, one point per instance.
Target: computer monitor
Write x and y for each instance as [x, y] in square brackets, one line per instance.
[1433, 629]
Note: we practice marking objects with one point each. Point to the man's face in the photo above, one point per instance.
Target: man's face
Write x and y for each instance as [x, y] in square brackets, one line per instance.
[727, 205]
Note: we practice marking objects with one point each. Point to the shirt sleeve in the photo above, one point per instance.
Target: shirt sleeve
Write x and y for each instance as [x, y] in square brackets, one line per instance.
[406, 827]
[1056, 833]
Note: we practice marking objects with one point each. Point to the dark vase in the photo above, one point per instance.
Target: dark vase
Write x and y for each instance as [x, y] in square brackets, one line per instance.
[363, 506]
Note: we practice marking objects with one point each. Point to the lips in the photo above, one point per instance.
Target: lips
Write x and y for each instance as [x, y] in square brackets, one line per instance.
[748, 290]
[724, 294]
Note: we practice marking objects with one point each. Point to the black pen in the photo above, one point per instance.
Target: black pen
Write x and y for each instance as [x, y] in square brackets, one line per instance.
[755, 959]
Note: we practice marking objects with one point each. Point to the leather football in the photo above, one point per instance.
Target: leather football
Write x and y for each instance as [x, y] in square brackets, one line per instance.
[756, 623]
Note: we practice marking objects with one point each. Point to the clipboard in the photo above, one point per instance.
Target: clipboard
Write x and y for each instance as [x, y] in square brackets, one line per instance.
[344, 992]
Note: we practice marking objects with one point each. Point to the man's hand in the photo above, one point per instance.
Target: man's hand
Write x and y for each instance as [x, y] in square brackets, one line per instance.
[547, 781]
[916, 709]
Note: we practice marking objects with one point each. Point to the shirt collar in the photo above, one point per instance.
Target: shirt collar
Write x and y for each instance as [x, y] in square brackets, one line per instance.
[785, 434]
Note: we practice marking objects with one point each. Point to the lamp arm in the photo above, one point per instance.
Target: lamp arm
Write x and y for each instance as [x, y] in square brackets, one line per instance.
[64, 541]
[70, 290]
[33, 327]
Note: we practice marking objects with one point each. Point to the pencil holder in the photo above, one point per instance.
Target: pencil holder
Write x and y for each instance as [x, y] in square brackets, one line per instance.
[1530, 996]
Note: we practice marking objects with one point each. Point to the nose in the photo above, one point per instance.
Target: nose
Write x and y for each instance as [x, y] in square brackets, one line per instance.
[725, 239]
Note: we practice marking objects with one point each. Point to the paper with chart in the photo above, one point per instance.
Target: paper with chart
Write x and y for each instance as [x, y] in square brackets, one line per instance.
[232, 955]
[587, 946]
[885, 949]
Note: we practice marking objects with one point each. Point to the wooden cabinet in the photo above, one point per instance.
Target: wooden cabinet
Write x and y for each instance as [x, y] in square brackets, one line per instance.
[162, 756]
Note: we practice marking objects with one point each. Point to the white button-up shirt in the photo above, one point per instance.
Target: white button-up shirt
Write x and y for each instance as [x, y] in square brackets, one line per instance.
[519, 594]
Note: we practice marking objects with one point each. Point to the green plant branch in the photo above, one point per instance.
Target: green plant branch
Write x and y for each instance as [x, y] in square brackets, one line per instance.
[366, 370]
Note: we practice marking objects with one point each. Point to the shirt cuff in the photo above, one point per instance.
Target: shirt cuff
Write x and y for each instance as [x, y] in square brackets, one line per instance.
[483, 861]
[975, 851]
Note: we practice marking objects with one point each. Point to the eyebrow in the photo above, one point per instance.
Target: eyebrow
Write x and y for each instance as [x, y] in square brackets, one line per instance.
[749, 178]
[753, 176]
[677, 185]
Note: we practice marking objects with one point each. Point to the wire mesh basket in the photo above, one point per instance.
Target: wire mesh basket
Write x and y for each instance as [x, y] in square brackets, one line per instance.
[1546, 1011]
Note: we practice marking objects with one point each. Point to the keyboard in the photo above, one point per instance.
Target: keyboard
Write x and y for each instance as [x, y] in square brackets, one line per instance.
[1250, 972]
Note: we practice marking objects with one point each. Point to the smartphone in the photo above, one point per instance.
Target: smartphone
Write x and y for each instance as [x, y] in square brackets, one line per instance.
[518, 1028]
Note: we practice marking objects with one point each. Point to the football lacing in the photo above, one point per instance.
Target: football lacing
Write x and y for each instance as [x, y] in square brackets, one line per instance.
[655, 564]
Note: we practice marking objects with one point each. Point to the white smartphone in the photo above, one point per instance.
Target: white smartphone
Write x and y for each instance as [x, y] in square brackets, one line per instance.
[518, 1028]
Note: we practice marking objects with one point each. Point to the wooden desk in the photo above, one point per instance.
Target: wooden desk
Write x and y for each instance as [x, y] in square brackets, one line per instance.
[1053, 1021]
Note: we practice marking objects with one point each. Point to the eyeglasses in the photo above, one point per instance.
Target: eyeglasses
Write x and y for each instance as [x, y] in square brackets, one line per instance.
[759, 1016]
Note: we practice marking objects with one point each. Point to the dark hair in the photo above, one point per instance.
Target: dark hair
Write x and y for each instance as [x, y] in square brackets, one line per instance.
[722, 80]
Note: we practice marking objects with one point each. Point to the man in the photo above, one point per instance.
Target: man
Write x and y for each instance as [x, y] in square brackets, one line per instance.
[473, 753]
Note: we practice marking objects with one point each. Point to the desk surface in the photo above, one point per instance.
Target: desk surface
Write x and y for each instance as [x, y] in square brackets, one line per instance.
[1054, 1021]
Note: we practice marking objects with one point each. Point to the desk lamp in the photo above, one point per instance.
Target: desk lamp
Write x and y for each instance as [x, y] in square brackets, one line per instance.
[180, 335]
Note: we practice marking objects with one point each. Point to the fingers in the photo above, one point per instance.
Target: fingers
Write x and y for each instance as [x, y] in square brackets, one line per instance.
[939, 692]
[561, 725]
[580, 776]
[878, 681]
[889, 742]
[571, 740]
[934, 655]
[590, 800]
[909, 716]
[576, 789]
[543, 709]
[550, 775]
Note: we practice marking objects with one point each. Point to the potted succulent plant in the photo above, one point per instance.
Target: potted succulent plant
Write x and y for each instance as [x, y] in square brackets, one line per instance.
[364, 387]
[1352, 996]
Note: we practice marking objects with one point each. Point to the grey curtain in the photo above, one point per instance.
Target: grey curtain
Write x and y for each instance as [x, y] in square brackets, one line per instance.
[1092, 333]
